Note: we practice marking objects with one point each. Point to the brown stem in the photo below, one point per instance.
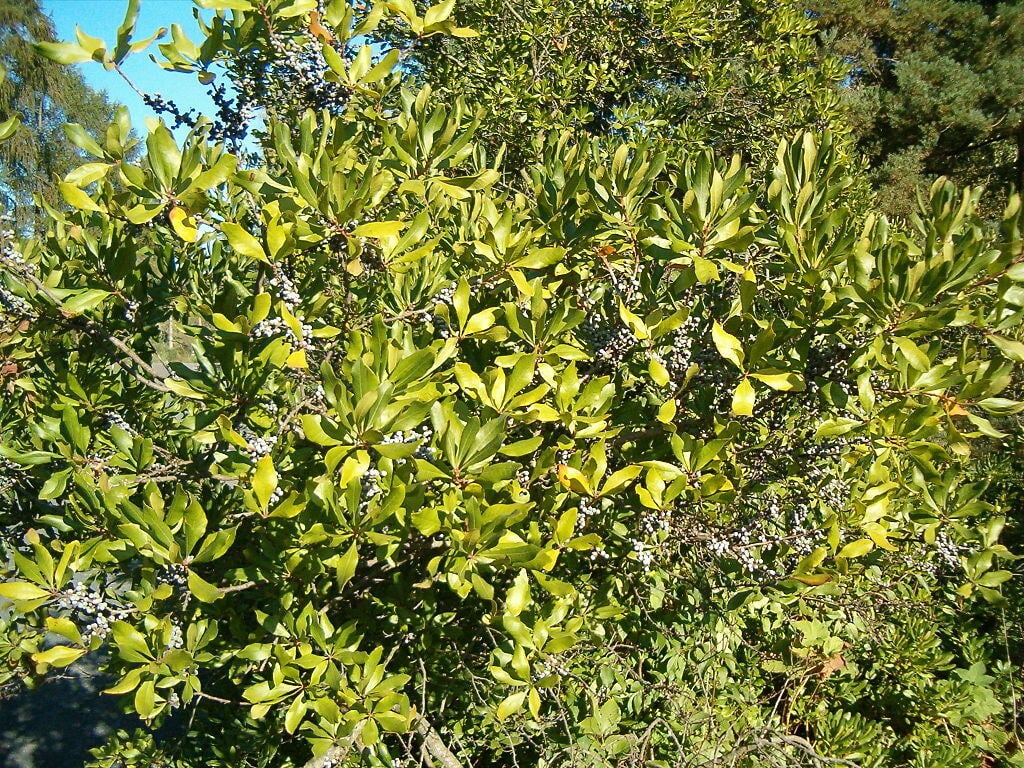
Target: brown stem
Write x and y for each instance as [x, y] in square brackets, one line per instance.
[435, 745]
[95, 329]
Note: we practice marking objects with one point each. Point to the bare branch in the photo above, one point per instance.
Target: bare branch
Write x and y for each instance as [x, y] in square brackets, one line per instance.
[435, 745]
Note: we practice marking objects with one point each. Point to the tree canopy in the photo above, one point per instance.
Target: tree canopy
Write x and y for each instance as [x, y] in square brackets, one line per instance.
[629, 454]
[935, 90]
[44, 96]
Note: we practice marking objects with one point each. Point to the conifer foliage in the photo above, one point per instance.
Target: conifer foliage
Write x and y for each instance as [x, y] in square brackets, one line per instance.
[632, 457]
[935, 90]
[42, 96]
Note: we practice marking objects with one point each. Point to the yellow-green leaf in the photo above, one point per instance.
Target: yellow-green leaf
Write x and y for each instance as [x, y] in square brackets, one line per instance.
[728, 345]
[76, 198]
[743, 399]
[264, 480]
[21, 590]
[379, 229]
[510, 705]
[203, 590]
[518, 596]
[242, 242]
[856, 548]
[184, 225]
[658, 372]
[59, 655]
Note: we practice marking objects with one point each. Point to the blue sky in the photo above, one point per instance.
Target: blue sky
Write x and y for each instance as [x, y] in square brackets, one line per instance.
[100, 18]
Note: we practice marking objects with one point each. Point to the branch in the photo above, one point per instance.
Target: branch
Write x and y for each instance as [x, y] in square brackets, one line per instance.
[435, 745]
[96, 329]
[432, 743]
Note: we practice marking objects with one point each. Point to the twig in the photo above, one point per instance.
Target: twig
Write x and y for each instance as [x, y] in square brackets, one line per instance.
[94, 328]
[239, 587]
[435, 745]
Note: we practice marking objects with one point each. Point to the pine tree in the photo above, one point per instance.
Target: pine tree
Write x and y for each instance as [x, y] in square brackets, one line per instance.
[937, 88]
[45, 95]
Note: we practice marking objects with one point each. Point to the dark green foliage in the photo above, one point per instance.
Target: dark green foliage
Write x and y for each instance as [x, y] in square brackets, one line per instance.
[618, 454]
[935, 89]
[734, 76]
[45, 95]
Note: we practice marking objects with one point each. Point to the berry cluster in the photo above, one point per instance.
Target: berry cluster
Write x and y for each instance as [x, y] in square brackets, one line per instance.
[753, 545]
[442, 297]
[233, 116]
[610, 344]
[654, 521]
[549, 666]
[14, 305]
[285, 290]
[12, 258]
[370, 486]
[680, 356]
[276, 326]
[297, 77]
[586, 512]
[232, 120]
[115, 419]
[626, 286]
[173, 574]
[93, 610]
[131, 310]
[645, 553]
[8, 474]
[258, 446]
[163, 106]
[423, 436]
[828, 362]
[949, 552]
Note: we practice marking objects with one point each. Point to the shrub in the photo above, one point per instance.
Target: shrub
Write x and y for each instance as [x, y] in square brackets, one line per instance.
[641, 460]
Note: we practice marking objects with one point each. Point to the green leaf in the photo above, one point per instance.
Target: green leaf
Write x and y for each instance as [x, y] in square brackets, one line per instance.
[65, 627]
[345, 566]
[145, 699]
[296, 711]
[379, 229]
[743, 399]
[22, 590]
[242, 242]
[183, 388]
[705, 269]
[264, 480]
[856, 549]
[164, 156]
[510, 705]
[784, 382]
[84, 301]
[728, 345]
[76, 198]
[131, 643]
[8, 127]
[78, 136]
[913, 353]
[204, 591]
[63, 53]
[518, 596]
[59, 655]
[539, 258]
[658, 372]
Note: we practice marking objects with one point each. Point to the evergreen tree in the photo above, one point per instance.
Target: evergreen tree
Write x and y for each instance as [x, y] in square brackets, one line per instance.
[937, 88]
[45, 95]
[733, 75]
[651, 459]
